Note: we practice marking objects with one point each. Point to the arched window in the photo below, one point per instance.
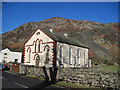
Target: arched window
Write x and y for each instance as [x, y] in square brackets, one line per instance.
[78, 56]
[5, 55]
[47, 54]
[40, 46]
[60, 54]
[37, 46]
[34, 45]
[36, 57]
[84, 58]
[29, 54]
[70, 56]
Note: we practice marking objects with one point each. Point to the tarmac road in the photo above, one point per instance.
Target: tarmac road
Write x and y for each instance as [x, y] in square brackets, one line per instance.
[12, 80]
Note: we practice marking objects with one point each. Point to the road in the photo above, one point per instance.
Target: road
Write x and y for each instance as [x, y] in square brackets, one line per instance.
[12, 80]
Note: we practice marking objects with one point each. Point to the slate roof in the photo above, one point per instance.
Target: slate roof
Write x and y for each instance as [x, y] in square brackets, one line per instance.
[61, 38]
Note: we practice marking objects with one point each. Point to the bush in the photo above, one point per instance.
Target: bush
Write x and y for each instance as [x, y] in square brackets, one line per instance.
[108, 62]
[105, 62]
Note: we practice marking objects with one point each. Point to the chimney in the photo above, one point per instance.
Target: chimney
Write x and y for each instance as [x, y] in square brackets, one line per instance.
[65, 34]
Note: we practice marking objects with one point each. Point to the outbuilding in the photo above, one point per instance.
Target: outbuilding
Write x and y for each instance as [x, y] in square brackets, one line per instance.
[9, 56]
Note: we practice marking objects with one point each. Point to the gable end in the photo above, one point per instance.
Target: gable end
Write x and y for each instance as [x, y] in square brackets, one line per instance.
[34, 33]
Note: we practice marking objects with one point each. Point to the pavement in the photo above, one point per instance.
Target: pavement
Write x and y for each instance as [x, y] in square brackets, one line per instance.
[16, 80]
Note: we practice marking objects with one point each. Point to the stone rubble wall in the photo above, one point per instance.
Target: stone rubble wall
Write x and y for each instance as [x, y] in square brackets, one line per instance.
[87, 77]
[91, 77]
[32, 70]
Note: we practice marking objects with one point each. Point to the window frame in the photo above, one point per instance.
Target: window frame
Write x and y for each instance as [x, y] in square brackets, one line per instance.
[5, 54]
[84, 57]
[37, 46]
[78, 56]
[47, 51]
[60, 55]
[70, 56]
[40, 46]
[29, 55]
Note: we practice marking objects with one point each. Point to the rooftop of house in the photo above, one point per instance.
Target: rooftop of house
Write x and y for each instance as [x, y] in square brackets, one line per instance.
[63, 38]
[8, 50]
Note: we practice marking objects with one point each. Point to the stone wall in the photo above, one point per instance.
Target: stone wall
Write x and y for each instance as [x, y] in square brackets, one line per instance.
[87, 77]
[35, 71]
[90, 77]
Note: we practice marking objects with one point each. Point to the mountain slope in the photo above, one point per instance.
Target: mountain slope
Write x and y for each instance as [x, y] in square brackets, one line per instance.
[100, 38]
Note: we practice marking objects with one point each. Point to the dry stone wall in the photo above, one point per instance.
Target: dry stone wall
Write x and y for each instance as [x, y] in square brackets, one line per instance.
[91, 77]
[87, 77]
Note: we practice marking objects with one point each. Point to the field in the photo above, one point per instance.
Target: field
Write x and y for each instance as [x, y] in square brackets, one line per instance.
[114, 68]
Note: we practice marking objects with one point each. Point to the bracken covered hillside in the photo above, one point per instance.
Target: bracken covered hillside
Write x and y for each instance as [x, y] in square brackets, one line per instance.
[102, 39]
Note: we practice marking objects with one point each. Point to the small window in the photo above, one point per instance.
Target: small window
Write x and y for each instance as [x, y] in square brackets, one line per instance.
[38, 33]
[16, 60]
[37, 58]
[5, 53]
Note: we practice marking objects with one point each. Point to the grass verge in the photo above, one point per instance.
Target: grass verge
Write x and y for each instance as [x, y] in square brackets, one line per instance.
[112, 68]
[73, 85]
[39, 78]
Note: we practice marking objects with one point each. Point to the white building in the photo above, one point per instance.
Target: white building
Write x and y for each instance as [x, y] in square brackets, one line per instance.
[9, 56]
[46, 48]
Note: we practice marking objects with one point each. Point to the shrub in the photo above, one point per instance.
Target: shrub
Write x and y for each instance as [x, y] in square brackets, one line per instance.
[105, 62]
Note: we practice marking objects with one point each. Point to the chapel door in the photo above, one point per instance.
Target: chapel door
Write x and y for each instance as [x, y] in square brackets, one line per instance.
[37, 60]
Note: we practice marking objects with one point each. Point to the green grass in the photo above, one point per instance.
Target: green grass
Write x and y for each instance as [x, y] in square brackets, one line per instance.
[73, 85]
[110, 67]
[40, 78]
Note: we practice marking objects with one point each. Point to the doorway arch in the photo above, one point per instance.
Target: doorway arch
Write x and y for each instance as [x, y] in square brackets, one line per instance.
[37, 59]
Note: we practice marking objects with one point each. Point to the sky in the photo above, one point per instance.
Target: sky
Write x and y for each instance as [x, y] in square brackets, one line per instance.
[15, 14]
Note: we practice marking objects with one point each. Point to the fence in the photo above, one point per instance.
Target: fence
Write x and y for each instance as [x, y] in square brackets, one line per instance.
[14, 67]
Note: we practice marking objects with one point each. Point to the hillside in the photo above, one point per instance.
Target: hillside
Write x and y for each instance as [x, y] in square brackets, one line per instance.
[102, 39]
